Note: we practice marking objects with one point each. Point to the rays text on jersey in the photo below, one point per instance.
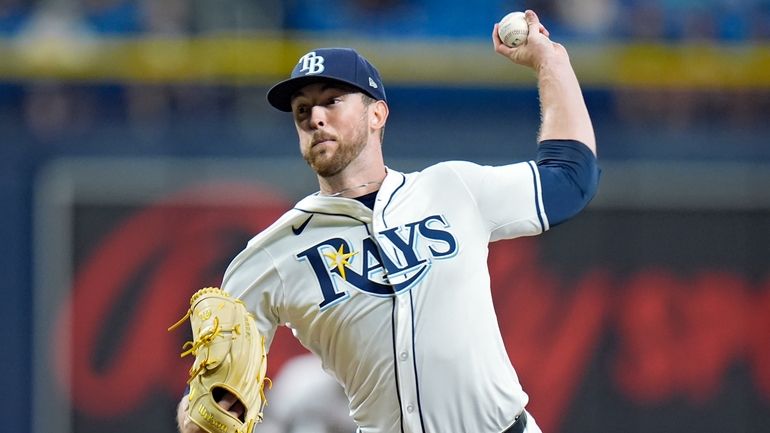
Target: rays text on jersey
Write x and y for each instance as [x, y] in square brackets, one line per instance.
[391, 262]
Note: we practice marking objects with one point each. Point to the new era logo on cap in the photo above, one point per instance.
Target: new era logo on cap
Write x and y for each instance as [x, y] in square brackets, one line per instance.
[343, 65]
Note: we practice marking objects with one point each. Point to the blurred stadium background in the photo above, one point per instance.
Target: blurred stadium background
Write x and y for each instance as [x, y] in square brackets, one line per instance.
[138, 155]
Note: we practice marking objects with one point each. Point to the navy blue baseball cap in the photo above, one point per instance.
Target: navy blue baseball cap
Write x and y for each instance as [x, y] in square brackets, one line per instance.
[342, 65]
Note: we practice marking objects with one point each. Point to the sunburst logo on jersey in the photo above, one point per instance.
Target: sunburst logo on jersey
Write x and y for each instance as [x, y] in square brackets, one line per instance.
[340, 260]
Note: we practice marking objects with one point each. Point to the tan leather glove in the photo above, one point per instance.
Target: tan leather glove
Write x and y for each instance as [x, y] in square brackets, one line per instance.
[229, 357]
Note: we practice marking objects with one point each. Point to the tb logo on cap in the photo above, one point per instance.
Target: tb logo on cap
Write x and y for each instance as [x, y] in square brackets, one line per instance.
[311, 63]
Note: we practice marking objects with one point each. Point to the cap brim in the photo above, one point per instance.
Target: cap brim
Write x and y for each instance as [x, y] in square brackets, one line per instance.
[279, 96]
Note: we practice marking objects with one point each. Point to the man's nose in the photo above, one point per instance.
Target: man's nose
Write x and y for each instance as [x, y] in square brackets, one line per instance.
[317, 117]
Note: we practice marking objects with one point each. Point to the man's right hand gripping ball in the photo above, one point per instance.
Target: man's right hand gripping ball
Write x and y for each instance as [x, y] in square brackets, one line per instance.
[227, 377]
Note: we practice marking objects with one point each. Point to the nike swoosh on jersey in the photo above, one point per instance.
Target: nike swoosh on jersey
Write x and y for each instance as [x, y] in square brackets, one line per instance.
[298, 230]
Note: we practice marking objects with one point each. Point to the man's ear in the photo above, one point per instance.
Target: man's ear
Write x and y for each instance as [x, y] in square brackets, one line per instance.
[378, 114]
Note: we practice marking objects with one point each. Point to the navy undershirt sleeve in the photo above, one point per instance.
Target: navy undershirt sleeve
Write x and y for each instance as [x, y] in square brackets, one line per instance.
[569, 176]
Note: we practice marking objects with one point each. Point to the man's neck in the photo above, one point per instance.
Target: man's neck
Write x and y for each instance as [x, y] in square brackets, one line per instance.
[351, 186]
[354, 190]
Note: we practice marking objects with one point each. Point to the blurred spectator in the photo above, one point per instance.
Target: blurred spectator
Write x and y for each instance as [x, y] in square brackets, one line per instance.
[54, 111]
[166, 17]
[112, 17]
[759, 21]
[150, 107]
[237, 15]
[696, 24]
[727, 20]
[402, 18]
[305, 399]
[61, 35]
[732, 19]
[127, 17]
[682, 108]
[392, 17]
[14, 15]
[55, 34]
[53, 37]
[587, 18]
[547, 11]
[642, 20]
[691, 21]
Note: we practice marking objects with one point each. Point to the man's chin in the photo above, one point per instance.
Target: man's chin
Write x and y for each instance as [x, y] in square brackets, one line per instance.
[326, 168]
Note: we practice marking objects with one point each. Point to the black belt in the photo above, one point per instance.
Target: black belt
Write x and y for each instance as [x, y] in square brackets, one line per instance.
[519, 425]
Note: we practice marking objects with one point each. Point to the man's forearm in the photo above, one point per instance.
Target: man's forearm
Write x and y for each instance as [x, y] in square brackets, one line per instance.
[563, 110]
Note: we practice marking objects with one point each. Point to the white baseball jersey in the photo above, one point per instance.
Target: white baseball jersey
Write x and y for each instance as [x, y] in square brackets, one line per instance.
[397, 302]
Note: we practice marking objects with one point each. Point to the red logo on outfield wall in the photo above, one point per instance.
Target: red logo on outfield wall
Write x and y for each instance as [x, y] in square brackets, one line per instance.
[675, 337]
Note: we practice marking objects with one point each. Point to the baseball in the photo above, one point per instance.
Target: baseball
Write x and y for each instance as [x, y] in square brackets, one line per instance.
[513, 29]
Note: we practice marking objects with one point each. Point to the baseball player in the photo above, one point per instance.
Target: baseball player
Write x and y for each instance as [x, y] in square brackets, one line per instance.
[383, 274]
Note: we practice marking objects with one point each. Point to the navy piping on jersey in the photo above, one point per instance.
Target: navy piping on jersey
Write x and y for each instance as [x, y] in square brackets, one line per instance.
[333, 214]
[393, 327]
[393, 194]
[395, 362]
[537, 198]
[414, 363]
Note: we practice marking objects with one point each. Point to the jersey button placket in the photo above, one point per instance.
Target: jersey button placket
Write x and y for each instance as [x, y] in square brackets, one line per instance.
[407, 376]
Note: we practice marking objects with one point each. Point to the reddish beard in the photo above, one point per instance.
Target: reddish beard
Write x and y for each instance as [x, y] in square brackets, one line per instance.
[332, 161]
